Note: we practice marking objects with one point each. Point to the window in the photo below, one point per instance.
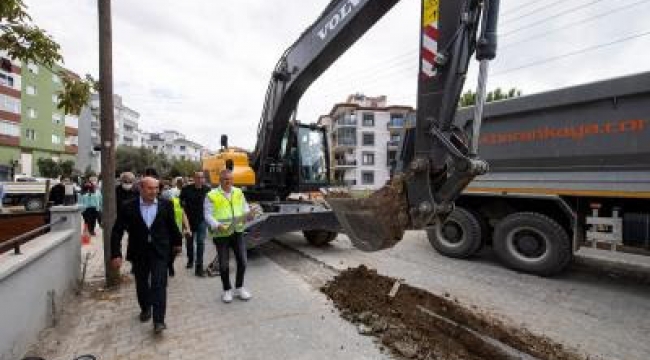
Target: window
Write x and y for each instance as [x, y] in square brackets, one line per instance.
[56, 79]
[368, 139]
[30, 134]
[347, 136]
[368, 119]
[31, 90]
[33, 68]
[9, 129]
[368, 158]
[9, 104]
[367, 177]
[55, 99]
[182, 147]
[32, 113]
[56, 139]
[6, 80]
[57, 119]
[396, 120]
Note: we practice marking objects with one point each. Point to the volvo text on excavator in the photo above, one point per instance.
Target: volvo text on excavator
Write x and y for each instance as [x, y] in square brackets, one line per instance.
[437, 160]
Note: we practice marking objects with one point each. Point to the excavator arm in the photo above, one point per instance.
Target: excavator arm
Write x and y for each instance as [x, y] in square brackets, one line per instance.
[341, 24]
[437, 161]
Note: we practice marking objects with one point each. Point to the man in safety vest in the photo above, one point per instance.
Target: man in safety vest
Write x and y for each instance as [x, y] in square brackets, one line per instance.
[226, 212]
[180, 219]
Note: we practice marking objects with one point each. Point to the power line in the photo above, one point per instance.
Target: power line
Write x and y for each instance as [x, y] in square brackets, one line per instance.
[580, 22]
[536, 10]
[554, 16]
[404, 59]
[517, 8]
[572, 53]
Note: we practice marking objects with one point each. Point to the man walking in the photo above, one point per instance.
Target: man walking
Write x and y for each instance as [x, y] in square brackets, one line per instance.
[192, 198]
[226, 211]
[153, 235]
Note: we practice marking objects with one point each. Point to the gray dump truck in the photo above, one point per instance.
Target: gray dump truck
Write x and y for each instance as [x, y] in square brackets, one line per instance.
[568, 168]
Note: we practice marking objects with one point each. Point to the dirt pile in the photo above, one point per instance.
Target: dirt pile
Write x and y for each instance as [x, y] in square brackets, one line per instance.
[417, 324]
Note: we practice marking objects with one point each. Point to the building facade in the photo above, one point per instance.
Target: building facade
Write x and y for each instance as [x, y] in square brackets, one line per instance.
[127, 131]
[174, 145]
[31, 125]
[364, 134]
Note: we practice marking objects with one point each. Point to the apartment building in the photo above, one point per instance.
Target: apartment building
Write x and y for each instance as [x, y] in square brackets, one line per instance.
[174, 145]
[364, 134]
[31, 125]
[127, 131]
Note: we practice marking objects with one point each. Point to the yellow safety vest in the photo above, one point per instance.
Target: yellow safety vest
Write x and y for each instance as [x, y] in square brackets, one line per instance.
[178, 213]
[228, 212]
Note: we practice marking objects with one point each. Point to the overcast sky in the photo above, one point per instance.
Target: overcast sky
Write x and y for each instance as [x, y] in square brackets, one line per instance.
[202, 66]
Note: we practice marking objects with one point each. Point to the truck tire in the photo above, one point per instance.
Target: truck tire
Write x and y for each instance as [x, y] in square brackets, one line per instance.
[319, 237]
[459, 236]
[532, 243]
[34, 204]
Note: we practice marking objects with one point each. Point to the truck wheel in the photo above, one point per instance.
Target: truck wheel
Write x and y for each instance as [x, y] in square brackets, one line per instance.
[319, 237]
[532, 243]
[34, 204]
[459, 236]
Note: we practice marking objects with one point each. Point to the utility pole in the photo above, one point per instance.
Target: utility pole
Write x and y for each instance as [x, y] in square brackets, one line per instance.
[107, 124]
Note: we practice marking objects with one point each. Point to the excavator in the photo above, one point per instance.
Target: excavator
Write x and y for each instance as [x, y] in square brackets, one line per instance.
[437, 157]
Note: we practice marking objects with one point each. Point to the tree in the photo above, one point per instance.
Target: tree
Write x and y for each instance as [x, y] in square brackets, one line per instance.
[469, 97]
[183, 168]
[136, 160]
[27, 42]
[48, 168]
[67, 167]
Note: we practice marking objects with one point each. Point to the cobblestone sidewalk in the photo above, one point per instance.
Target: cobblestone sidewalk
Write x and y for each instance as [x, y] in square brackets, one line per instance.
[286, 319]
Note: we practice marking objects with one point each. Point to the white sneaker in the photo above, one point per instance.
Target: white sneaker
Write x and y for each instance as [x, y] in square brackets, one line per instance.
[243, 294]
[227, 296]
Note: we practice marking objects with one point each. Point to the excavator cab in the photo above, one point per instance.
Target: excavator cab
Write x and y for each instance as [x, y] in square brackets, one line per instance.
[305, 158]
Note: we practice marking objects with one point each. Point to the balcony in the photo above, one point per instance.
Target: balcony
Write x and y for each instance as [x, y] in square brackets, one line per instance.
[341, 163]
[345, 143]
[71, 149]
[395, 124]
[393, 144]
[345, 121]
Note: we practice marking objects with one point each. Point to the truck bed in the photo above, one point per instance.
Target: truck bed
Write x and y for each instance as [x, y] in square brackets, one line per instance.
[589, 140]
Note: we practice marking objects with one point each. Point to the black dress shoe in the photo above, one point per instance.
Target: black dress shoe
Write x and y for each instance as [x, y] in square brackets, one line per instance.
[159, 327]
[145, 315]
[199, 272]
[189, 265]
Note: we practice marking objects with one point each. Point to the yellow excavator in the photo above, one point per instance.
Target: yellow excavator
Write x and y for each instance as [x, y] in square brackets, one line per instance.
[233, 158]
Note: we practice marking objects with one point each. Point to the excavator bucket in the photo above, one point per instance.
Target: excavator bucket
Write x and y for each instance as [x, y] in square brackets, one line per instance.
[374, 223]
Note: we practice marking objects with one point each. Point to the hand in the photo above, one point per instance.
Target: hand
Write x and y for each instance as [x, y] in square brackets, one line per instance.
[187, 232]
[222, 228]
[116, 262]
[178, 250]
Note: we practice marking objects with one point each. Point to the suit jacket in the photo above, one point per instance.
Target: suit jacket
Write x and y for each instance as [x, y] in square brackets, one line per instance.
[164, 232]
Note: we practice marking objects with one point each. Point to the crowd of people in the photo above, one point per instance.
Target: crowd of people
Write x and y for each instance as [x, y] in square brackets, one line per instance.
[157, 215]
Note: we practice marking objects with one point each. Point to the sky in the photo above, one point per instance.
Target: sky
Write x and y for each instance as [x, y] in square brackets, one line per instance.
[201, 67]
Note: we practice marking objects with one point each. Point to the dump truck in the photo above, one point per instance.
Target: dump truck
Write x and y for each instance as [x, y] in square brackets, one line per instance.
[568, 168]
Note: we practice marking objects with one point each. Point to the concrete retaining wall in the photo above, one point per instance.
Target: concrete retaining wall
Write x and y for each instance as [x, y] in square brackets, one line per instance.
[49, 264]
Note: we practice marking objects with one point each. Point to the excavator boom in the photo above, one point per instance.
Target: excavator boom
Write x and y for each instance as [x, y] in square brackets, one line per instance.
[436, 161]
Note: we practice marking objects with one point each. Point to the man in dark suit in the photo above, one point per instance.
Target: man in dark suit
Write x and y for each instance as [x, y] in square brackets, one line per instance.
[153, 235]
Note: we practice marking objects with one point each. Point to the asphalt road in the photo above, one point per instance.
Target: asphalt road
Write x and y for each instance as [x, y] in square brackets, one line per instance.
[591, 311]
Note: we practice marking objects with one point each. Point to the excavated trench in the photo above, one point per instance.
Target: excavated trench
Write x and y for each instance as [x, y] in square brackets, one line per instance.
[412, 323]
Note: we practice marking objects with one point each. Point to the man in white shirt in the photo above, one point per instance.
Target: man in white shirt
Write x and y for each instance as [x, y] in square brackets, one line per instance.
[226, 211]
